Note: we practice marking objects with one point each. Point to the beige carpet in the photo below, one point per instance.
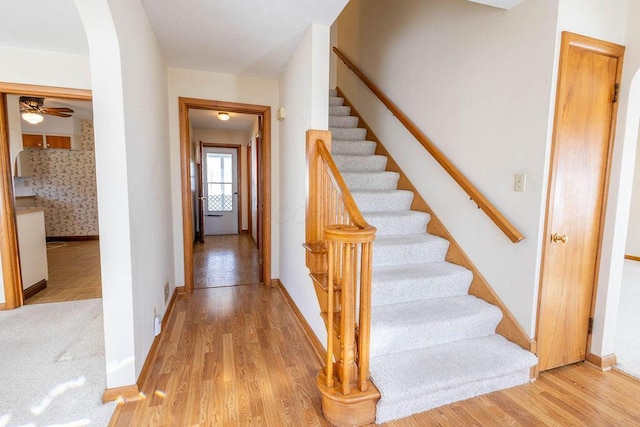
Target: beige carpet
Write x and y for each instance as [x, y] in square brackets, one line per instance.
[628, 326]
[53, 365]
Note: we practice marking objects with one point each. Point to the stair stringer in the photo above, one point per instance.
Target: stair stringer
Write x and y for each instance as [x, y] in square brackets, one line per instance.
[480, 287]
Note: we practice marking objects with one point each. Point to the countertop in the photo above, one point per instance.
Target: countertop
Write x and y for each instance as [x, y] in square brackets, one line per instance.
[26, 210]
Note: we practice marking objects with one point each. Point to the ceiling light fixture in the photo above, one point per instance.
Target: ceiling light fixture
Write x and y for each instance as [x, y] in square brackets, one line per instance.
[224, 116]
[32, 117]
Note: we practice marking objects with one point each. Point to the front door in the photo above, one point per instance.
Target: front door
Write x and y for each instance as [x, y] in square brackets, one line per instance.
[220, 190]
[586, 109]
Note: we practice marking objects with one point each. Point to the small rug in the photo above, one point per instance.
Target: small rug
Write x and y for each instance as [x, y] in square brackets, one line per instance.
[628, 326]
[53, 365]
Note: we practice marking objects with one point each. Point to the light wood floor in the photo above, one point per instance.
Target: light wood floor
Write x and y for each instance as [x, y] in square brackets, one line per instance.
[225, 261]
[74, 272]
[237, 356]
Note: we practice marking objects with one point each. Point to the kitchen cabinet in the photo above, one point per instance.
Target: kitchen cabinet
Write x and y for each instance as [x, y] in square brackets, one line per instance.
[46, 141]
[32, 246]
[32, 141]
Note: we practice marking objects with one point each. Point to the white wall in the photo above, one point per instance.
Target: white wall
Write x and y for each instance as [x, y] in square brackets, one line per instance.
[144, 88]
[477, 81]
[304, 92]
[113, 203]
[219, 87]
[26, 65]
[132, 165]
[62, 69]
[631, 66]
[218, 136]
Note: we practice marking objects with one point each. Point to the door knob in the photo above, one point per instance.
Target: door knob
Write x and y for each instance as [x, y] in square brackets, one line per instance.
[560, 238]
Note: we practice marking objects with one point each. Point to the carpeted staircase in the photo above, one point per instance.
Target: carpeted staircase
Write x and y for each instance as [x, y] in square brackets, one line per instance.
[431, 342]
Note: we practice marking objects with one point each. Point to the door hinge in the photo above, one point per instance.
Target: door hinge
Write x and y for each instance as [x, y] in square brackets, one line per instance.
[590, 330]
[616, 92]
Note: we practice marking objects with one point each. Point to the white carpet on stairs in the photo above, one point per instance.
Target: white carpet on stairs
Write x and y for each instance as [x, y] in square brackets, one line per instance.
[53, 365]
[431, 342]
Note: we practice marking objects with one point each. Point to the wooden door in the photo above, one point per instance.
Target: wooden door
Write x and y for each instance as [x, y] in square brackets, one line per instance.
[586, 107]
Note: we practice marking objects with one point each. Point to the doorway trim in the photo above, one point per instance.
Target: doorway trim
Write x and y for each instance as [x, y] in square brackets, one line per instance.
[264, 185]
[572, 40]
[238, 149]
[8, 230]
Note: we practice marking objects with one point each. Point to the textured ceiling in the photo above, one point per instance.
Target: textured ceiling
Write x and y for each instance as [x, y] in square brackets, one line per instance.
[246, 37]
[52, 25]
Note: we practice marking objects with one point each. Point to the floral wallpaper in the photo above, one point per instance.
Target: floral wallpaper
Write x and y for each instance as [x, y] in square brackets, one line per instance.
[64, 182]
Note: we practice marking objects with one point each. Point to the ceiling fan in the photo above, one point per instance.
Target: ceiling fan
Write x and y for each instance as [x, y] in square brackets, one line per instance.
[32, 109]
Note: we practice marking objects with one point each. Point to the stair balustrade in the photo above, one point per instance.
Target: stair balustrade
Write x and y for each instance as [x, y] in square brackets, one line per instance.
[339, 254]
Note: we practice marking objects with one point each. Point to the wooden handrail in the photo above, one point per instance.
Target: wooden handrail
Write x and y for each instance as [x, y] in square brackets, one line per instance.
[483, 203]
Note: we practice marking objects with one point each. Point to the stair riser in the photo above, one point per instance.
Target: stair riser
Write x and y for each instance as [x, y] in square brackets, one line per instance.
[360, 163]
[333, 92]
[339, 110]
[422, 287]
[343, 122]
[335, 100]
[388, 201]
[356, 148]
[435, 251]
[371, 181]
[348, 134]
[393, 225]
[387, 338]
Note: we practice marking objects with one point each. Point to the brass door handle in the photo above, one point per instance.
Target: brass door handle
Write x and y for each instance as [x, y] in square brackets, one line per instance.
[560, 238]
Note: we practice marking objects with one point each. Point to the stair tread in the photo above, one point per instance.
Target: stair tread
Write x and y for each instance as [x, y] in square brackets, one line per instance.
[360, 162]
[395, 284]
[371, 180]
[396, 213]
[394, 222]
[430, 322]
[345, 146]
[432, 310]
[427, 370]
[339, 110]
[404, 239]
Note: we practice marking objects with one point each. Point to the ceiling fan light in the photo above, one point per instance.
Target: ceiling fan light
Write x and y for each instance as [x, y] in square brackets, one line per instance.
[224, 116]
[31, 117]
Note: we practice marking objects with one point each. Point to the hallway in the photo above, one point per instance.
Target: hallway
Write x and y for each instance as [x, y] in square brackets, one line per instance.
[226, 261]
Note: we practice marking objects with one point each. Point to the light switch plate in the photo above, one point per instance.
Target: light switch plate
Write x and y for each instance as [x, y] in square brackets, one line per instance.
[519, 182]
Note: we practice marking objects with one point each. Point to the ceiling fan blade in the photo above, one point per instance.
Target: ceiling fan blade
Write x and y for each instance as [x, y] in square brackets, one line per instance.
[57, 110]
[55, 113]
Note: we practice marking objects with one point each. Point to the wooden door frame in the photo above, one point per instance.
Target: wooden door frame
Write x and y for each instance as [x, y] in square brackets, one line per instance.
[249, 192]
[264, 185]
[200, 194]
[572, 40]
[238, 148]
[8, 230]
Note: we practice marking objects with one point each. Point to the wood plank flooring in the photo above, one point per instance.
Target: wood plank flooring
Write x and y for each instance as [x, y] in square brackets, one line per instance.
[225, 261]
[237, 356]
[74, 272]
